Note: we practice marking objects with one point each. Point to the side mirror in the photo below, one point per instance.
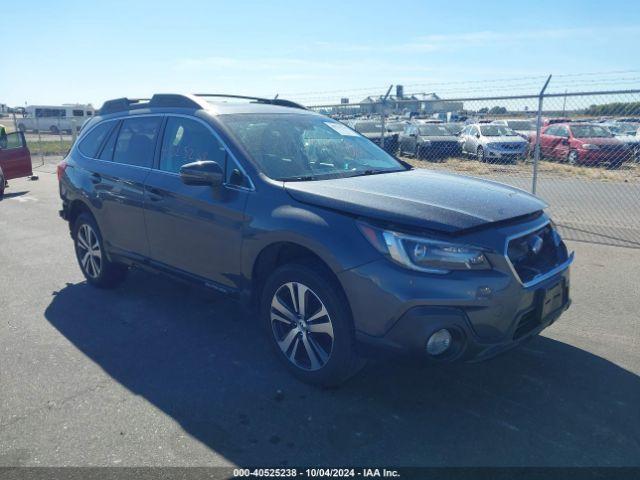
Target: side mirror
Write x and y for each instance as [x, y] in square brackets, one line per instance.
[477, 135]
[206, 172]
[565, 141]
[413, 135]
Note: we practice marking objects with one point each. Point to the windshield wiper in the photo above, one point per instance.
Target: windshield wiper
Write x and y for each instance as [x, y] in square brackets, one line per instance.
[303, 178]
[373, 172]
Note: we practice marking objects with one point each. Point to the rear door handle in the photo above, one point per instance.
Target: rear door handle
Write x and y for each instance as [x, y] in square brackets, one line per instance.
[96, 178]
[154, 194]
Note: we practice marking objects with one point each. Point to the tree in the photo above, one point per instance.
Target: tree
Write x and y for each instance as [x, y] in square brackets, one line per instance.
[498, 110]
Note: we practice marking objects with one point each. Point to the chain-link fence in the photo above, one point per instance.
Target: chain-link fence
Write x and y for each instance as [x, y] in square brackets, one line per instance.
[46, 137]
[578, 151]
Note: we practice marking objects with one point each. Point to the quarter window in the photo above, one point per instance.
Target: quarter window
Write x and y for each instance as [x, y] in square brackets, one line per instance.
[187, 141]
[136, 141]
[91, 143]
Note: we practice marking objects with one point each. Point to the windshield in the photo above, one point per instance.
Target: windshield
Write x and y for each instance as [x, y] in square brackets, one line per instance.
[520, 125]
[368, 127]
[496, 131]
[433, 130]
[590, 131]
[395, 126]
[454, 128]
[307, 147]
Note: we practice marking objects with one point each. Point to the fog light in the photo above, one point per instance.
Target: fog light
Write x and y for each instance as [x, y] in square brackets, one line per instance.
[439, 342]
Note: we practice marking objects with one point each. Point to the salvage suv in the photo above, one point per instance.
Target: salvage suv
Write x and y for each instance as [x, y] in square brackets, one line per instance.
[344, 251]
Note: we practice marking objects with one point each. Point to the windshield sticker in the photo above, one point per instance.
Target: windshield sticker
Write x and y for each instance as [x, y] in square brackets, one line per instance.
[341, 129]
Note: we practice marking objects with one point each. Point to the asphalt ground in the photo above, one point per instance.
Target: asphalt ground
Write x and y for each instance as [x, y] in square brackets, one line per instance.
[157, 372]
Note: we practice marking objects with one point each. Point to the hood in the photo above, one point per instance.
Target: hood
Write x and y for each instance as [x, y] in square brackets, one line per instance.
[419, 198]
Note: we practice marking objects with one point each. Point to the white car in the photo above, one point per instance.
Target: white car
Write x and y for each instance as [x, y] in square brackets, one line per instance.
[488, 141]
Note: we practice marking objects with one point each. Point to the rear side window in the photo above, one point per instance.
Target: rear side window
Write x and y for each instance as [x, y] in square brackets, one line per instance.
[107, 150]
[187, 141]
[91, 143]
[136, 141]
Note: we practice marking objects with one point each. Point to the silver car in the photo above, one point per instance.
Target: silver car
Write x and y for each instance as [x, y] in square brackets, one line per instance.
[494, 142]
[523, 126]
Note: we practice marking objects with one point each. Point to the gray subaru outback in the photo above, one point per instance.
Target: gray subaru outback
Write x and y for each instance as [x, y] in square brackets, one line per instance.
[341, 251]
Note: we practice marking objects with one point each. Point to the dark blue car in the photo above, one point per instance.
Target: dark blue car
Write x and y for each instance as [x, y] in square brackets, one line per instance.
[339, 250]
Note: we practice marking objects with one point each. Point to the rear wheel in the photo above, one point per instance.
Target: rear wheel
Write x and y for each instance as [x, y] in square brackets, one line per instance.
[22, 128]
[309, 325]
[96, 267]
[53, 129]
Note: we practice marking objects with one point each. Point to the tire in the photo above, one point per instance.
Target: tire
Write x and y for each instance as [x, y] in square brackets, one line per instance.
[2, 187]
[572, 157]
[419, 152]
[94, 264]
[322, 351]
[54, 130]
[22, 128]
[480, 155]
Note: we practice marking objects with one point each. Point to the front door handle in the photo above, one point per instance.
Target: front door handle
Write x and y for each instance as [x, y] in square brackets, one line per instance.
[154, 194]
[96, 178]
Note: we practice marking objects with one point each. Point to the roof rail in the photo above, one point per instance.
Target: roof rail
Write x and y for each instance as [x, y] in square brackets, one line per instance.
[271, 101]
[166, 100]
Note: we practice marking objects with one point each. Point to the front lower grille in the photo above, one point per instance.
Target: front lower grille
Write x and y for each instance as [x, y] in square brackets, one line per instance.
[536, 253]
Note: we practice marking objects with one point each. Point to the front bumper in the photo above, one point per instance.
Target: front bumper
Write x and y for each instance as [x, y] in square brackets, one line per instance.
[487, 312]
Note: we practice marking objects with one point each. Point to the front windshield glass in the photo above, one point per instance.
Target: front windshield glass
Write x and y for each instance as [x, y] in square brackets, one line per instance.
[307, 147]
[431, 130]
[368, 127]
[496, 131]
[590, 131]
[520, 125]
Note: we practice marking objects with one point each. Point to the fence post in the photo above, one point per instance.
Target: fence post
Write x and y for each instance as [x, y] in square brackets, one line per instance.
[536, 156]
[383, 113]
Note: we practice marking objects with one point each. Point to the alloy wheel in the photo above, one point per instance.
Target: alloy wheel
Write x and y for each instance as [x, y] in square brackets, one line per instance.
[301, 326]
[89, 252]
[573, 157]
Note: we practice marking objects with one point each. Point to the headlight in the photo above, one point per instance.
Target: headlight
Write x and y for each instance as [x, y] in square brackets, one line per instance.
[590, 146]
[423, 254]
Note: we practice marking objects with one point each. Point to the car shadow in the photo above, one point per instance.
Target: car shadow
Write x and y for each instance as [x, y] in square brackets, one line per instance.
[15, 194]
[198, 359]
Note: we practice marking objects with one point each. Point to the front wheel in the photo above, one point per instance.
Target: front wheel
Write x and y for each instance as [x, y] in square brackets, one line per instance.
[96, 267]
[572, 158]
[309, 325]
[480, 154]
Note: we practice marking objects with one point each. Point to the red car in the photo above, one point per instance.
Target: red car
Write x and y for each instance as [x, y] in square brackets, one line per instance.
[581, 143]
[15, 158]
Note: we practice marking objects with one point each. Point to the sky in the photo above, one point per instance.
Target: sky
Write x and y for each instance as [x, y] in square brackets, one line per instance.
[312, 51]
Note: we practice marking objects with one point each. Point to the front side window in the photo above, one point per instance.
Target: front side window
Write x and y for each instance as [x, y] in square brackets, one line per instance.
[91, 143]
[136, 141]
[296, 146]
[10, 141]
[187, 141]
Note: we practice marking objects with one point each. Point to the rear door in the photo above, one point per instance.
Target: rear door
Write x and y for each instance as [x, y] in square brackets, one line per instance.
[118, 177]
[15, 159]
[195, 229]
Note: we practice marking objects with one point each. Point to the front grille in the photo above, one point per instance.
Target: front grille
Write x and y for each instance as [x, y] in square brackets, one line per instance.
[512, 146]
[536, 253]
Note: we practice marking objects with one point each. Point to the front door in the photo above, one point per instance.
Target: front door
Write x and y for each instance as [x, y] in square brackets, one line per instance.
[15, 159]
[194, 229]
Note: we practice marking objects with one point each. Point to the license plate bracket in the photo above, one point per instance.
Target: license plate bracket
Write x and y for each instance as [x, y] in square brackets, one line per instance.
[553, 299]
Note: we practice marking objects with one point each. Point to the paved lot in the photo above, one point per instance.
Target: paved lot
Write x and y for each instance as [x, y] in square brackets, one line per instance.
[158, 373]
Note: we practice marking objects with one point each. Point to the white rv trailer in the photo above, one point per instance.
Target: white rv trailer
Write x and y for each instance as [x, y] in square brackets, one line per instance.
[55, 118]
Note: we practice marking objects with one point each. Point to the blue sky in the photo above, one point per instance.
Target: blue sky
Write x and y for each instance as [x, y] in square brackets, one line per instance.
[85, 51]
